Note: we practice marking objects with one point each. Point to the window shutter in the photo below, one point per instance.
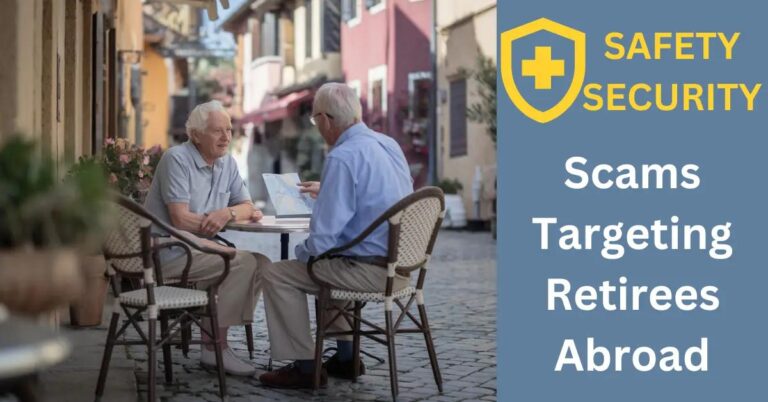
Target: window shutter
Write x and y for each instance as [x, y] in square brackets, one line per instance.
[458, 118]
[331, 26]
[346, 10]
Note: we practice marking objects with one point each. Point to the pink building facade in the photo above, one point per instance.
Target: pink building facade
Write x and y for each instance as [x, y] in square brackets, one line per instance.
[385, 57]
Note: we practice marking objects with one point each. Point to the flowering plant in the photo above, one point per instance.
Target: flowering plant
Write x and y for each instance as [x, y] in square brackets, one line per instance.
[129, 168]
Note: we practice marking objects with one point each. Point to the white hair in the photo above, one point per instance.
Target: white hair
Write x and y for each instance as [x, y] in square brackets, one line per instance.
[198, 119]
[339, 101]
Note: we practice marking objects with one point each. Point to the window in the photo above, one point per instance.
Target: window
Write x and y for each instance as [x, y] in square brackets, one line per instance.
[374, 6]
[254, 30]
[417, 123]
[458, 120]
[419, 85]
[377, 89]
[355, 85]
[331, 26]
[376, 96]
[270, 35]
[350, 11]
[308, 28]
[420, 107]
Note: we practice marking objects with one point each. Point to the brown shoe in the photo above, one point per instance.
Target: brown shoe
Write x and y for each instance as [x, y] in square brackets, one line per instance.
[291, 377]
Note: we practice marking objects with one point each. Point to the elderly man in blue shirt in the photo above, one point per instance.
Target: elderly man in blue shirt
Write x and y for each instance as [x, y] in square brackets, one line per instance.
[365, 173]
[197, 188]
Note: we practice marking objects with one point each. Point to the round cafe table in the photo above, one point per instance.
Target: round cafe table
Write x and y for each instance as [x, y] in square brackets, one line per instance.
[270, 224]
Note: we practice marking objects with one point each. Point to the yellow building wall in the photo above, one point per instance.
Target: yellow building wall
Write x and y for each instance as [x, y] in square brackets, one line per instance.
[237, 104]
[130, 41]
[50, 74]
[155, 99]
[28, 58]
[467, 30]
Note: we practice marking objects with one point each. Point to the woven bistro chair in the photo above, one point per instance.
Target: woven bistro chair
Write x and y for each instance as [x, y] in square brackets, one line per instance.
[131, 251]
[413, 226]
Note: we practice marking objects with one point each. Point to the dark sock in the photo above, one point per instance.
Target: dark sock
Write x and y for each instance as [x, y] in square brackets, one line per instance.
[344, 350]
[305, 366]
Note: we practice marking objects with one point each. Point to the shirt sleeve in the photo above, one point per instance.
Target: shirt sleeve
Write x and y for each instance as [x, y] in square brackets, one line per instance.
[174, 180]
[335, 206]
[238, 193]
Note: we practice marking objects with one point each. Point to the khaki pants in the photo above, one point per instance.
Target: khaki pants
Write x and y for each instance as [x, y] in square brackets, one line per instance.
[286, 285]
[239, 292]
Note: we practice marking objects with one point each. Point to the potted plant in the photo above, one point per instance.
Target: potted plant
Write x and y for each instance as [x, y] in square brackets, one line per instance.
[129, 170]
[86, 310]
[455, 214]
[43, 221]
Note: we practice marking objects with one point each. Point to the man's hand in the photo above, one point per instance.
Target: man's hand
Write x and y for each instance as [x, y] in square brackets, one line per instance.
[202, 242]
[311, 187]
[256, 215]
[214, 222]
[217, 246]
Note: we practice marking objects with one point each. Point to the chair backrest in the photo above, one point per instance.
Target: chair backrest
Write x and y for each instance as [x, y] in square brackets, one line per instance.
[123, 245]
[413, 225]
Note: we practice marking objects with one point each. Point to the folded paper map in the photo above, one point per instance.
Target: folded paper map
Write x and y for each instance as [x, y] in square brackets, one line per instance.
[284, 192]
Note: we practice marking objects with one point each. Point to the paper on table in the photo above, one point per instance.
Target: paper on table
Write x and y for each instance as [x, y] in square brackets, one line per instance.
[271, 220]
[284, 192]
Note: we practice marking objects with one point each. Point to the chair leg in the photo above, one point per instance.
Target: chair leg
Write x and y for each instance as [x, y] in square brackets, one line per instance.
[249, 339]
[430, 348]
[167, 362]
[152, 360]
[107, 354]
[356, 341]
[320, 305]
[219, 352]
[391, 349]
[186, 336]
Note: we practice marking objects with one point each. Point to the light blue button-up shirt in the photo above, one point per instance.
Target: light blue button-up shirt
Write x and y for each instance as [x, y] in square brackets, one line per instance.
[365, 173]
[183, 176]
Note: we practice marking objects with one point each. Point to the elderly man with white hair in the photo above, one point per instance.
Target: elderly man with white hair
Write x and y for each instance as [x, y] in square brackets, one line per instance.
[197, 188]
[365, 173]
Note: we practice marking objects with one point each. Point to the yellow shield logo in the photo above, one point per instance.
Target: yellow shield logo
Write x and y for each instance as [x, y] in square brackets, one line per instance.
[542, 68]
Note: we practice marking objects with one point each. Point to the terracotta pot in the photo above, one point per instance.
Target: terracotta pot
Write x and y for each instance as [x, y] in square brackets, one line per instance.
[36, 281]
[87, 310]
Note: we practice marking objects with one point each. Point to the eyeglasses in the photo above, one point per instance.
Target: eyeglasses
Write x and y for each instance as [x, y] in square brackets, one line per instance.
[312, 119]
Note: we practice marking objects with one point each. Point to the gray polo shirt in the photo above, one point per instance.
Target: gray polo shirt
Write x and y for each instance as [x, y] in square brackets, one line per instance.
[183, 176]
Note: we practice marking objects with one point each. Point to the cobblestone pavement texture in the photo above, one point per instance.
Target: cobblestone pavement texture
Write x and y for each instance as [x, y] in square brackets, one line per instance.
[461, 304]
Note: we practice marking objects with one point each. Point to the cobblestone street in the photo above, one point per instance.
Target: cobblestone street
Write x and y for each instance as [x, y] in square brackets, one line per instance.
[461, 302]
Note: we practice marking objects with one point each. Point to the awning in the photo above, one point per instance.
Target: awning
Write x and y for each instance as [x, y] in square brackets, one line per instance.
[278, 109]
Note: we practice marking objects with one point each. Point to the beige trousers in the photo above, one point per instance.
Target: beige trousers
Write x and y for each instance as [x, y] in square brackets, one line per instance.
[239, 292]
[286, 285]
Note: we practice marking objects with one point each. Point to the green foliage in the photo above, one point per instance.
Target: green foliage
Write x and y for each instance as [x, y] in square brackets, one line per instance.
[484, 110]
[450, 186]
[37, 209]
[215, 79]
